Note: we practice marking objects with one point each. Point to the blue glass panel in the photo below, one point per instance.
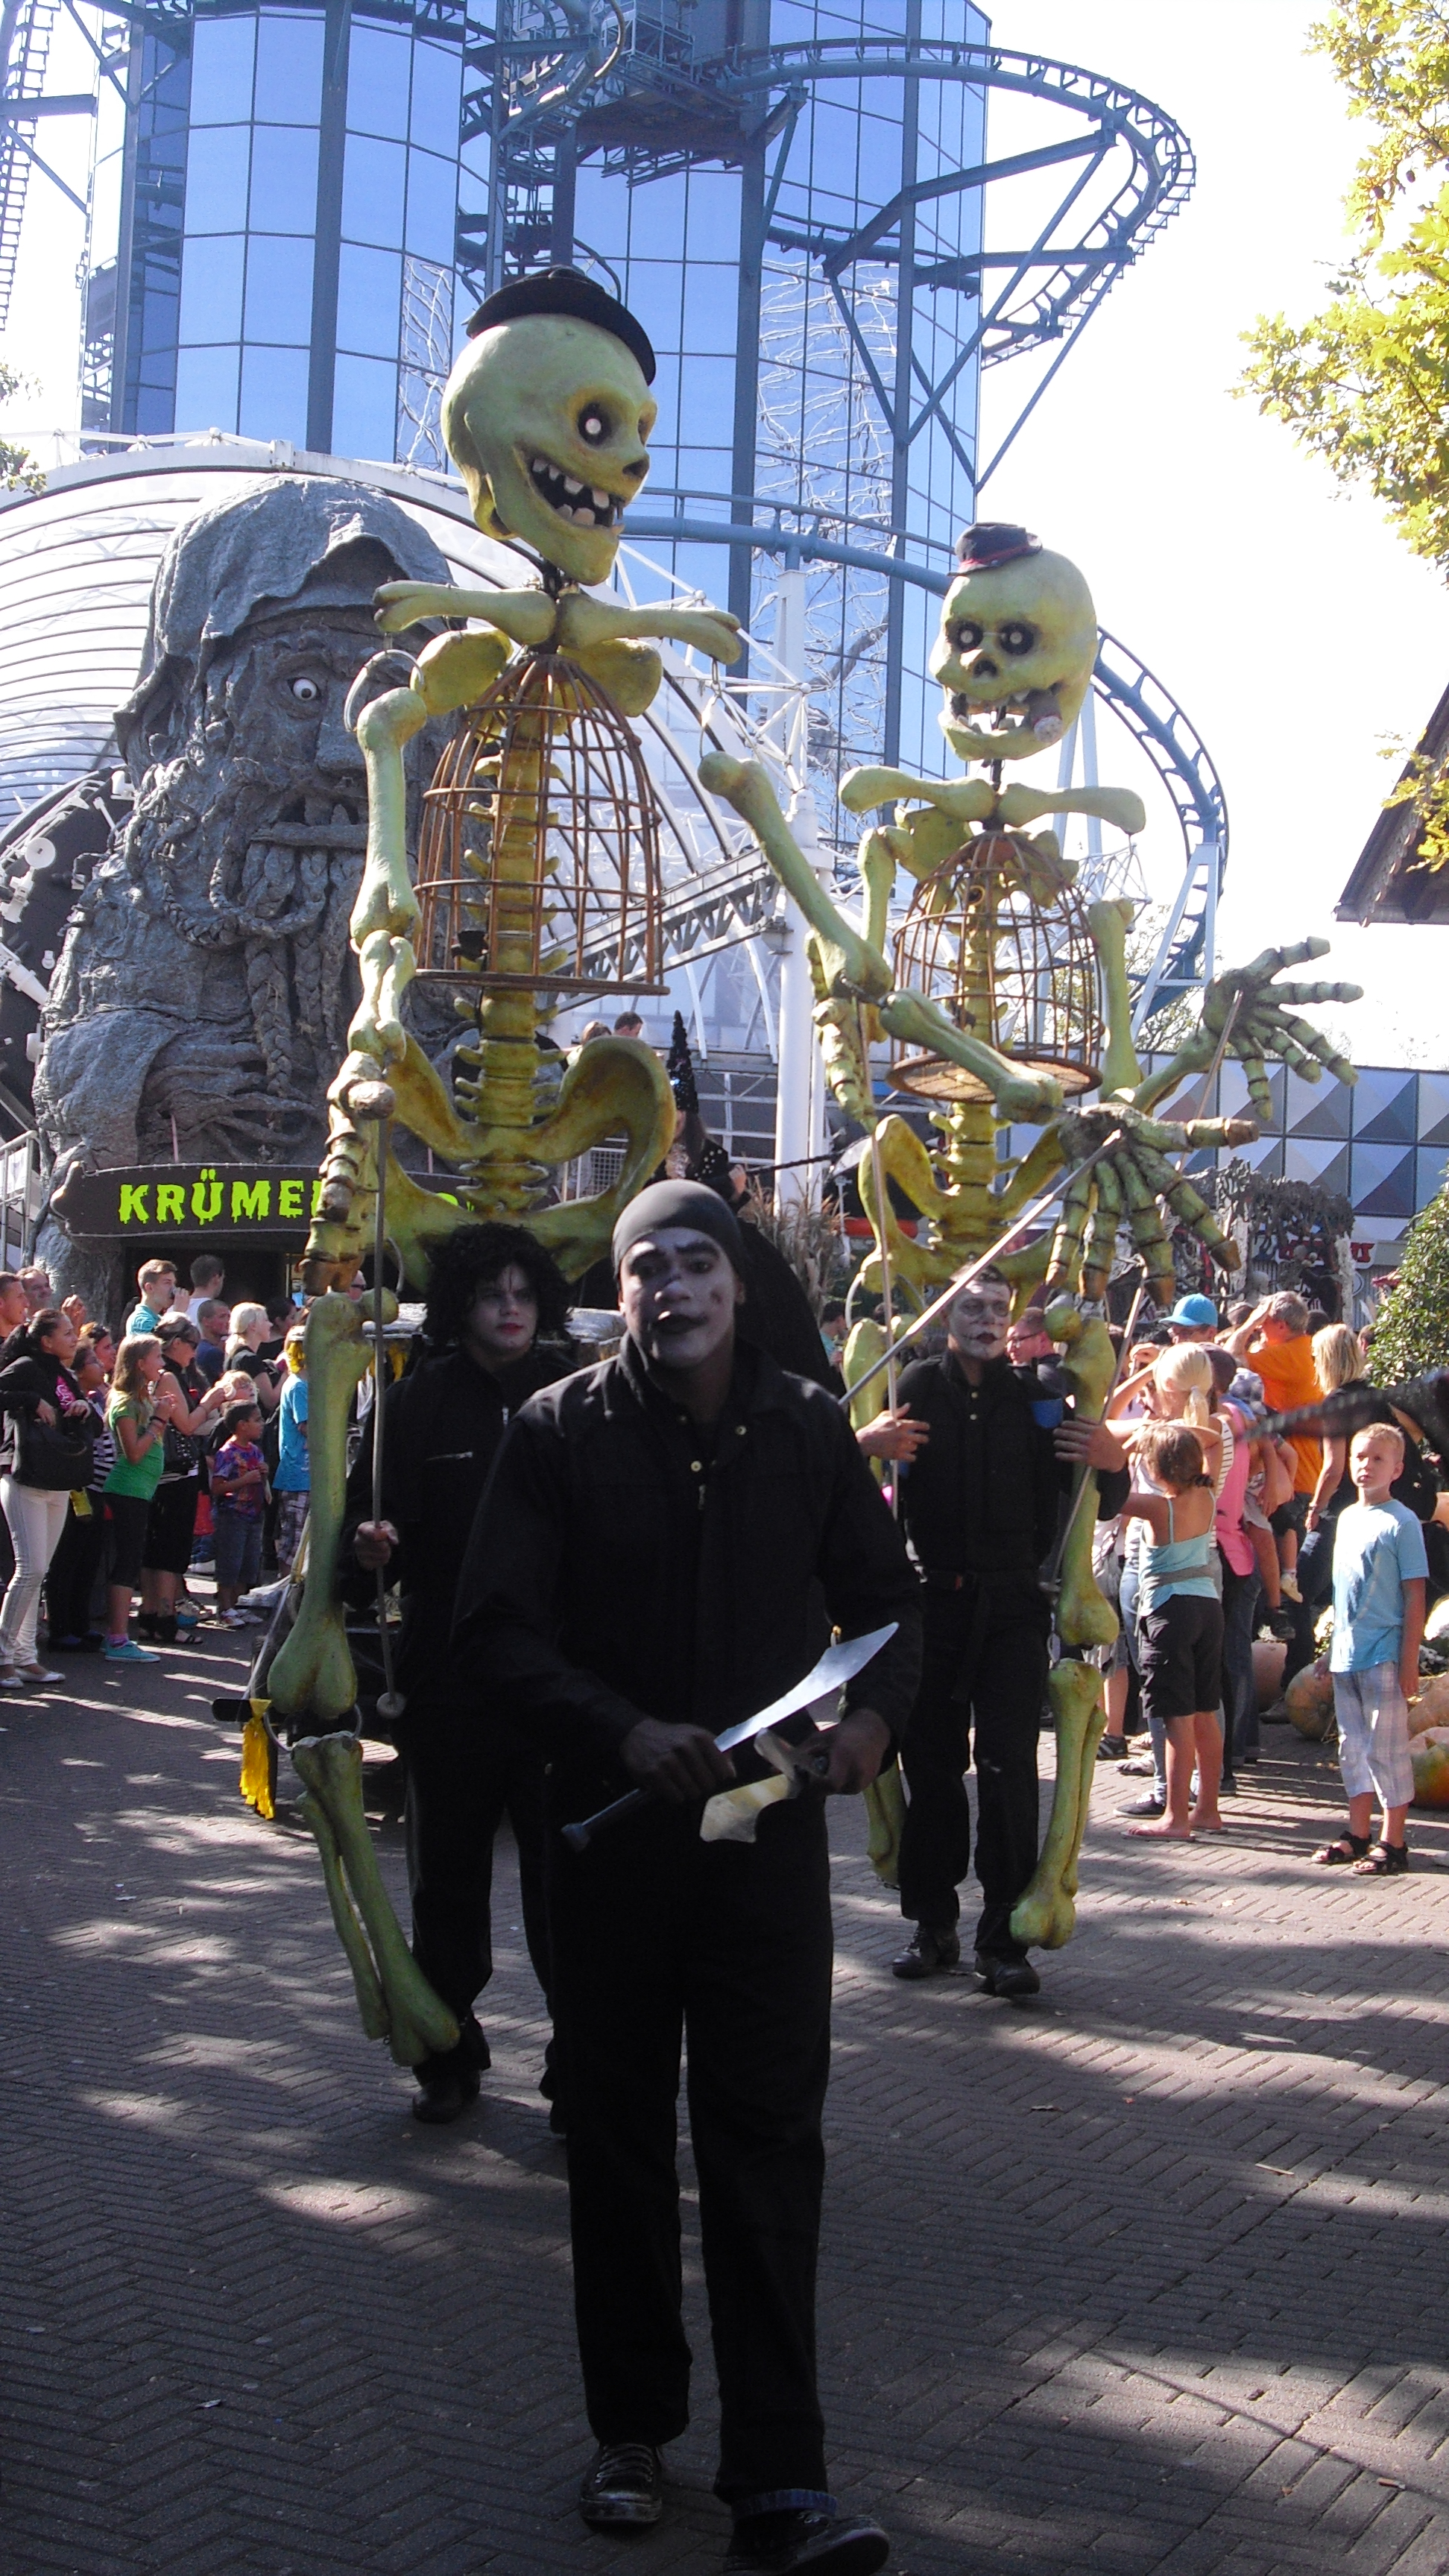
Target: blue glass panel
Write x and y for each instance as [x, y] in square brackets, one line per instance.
[284, 178]
[714, 213]
[1385, 1108]
[432, 208]
[221, 70]
[289, 65]
[373, 178]
[707, 400]
[211, 288]
[279, 290]
[216, 178]
[1383, 1181]
[206, 389]
[437, 84]
[1317, 1108]
[378, 66]
[1431, 1176]
[1434, 1109]
[711, 306]
[364, 409]
[369, 295]
[274, 394]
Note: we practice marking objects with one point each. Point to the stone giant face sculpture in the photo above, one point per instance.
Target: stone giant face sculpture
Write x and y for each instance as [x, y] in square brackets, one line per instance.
[201, 1001]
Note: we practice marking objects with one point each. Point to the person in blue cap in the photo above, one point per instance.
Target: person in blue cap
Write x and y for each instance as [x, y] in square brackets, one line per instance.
[1193, 1319]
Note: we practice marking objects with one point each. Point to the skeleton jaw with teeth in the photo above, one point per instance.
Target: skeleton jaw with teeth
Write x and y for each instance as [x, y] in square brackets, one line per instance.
[585, 506]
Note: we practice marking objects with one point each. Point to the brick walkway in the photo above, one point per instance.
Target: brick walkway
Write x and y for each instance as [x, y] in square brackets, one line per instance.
[1150, 2276]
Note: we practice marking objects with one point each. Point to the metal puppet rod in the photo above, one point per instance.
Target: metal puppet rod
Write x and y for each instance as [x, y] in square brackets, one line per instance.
[973, 1269]
[391, 1703]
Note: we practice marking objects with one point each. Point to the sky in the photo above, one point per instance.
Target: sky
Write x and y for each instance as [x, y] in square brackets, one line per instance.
[1285, 616]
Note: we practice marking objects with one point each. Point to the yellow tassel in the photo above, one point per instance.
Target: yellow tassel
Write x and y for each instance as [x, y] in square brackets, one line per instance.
[259, 1764]
[885, 1808]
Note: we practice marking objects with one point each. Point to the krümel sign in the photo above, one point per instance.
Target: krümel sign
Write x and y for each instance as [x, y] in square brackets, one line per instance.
[187, 1198]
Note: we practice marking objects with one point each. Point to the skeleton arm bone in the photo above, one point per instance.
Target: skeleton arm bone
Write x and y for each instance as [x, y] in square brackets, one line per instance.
[847, 958]
[584, 623]
[526, 615]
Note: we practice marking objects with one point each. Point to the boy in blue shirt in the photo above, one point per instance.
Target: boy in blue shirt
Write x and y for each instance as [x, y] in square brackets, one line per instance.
[1380, 1582]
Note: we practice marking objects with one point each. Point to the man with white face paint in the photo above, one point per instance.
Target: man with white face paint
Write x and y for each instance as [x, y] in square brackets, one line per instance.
[981, 1506]
[662, 1550]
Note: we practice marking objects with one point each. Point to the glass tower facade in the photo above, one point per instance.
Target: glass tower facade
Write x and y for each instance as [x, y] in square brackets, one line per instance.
[311, 197]
[291, 270]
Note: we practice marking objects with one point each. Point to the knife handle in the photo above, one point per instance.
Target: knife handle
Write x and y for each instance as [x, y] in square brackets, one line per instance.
[578, 1837]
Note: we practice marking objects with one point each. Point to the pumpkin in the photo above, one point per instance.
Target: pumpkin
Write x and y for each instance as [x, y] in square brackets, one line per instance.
[1269, 1657]
[1309, 1699]
[1436, 1626]
[1431, 1708]
[1429, 1754]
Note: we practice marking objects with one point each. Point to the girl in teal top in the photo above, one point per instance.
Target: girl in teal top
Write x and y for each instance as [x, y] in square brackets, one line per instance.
[1180, 1623]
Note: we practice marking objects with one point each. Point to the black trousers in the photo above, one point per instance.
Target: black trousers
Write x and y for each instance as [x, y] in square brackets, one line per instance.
[658, 1937]
[462, 1780]
[70, 1579]
[982, 1685]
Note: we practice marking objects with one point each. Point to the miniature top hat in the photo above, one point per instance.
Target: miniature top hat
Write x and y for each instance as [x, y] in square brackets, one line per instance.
[993, 542]
[566, 290]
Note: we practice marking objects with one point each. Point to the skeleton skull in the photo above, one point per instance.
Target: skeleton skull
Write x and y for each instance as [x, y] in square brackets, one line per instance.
[1014, 655]
[547, 418]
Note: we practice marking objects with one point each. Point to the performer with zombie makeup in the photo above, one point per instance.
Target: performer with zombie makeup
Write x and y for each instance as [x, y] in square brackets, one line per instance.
[981, 1505]
[648, 1568]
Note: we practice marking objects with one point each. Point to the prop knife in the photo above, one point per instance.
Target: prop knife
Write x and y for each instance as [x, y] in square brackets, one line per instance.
[837, 1666]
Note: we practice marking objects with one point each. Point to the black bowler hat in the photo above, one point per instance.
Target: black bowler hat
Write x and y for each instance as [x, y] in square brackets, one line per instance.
[566, 290]
[993, 542]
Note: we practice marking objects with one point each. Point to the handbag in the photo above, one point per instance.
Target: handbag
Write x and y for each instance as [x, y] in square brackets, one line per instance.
[180, 1451]
[59, 1457]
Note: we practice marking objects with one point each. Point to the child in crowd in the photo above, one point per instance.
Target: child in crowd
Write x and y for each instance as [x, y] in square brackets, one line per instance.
[139, 1432]
[238, 1499]
[1180, 1621]
[293, 1479]
[1380, 1584]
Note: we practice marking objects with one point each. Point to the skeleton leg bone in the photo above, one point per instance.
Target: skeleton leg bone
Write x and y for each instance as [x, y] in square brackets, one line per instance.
[417, 2024]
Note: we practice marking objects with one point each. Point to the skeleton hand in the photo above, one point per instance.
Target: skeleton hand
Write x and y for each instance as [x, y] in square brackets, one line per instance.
[1263, 1024]
[1127, 1183]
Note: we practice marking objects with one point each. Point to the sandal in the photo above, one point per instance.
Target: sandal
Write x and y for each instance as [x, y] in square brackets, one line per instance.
[1347, 1852]
[1386, 1860]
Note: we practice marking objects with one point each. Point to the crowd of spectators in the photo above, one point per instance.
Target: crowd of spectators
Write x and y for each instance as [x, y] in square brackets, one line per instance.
[129, 1459]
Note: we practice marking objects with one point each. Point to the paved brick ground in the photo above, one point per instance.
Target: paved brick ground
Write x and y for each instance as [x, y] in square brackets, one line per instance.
[1150, 2276]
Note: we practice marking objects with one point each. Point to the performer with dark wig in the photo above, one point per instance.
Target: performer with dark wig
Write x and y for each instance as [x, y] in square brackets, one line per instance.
[496, 1329]
[661, 1551]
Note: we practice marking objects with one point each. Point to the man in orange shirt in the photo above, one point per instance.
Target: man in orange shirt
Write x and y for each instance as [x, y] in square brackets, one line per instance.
[1275, 1342]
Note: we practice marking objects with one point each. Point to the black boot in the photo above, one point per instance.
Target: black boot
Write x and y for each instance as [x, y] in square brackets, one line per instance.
[929, 1951]
[449, 2081]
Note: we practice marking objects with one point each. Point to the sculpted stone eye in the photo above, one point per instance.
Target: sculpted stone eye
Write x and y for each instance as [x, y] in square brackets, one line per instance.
[966, 635]
[1016, 636]
[306, 692]
[594, 425]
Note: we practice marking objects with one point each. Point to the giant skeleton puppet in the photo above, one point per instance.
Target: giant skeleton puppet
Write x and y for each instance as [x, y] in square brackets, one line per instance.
[1014, 657]
[547, 415]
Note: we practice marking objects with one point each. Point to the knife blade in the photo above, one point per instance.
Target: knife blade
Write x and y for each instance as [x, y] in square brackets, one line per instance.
[839, 1664]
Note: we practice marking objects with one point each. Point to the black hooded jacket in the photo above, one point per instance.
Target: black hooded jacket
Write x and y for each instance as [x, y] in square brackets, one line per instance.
[623, 1565]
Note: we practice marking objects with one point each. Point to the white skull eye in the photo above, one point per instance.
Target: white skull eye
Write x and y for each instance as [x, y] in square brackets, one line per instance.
[966, 635]
[1016, 636]
[306, 692]
[594, 425]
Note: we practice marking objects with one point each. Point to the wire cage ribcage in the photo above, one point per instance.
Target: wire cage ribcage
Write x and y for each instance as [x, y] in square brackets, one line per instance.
[1006, 966]
[538, 856]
